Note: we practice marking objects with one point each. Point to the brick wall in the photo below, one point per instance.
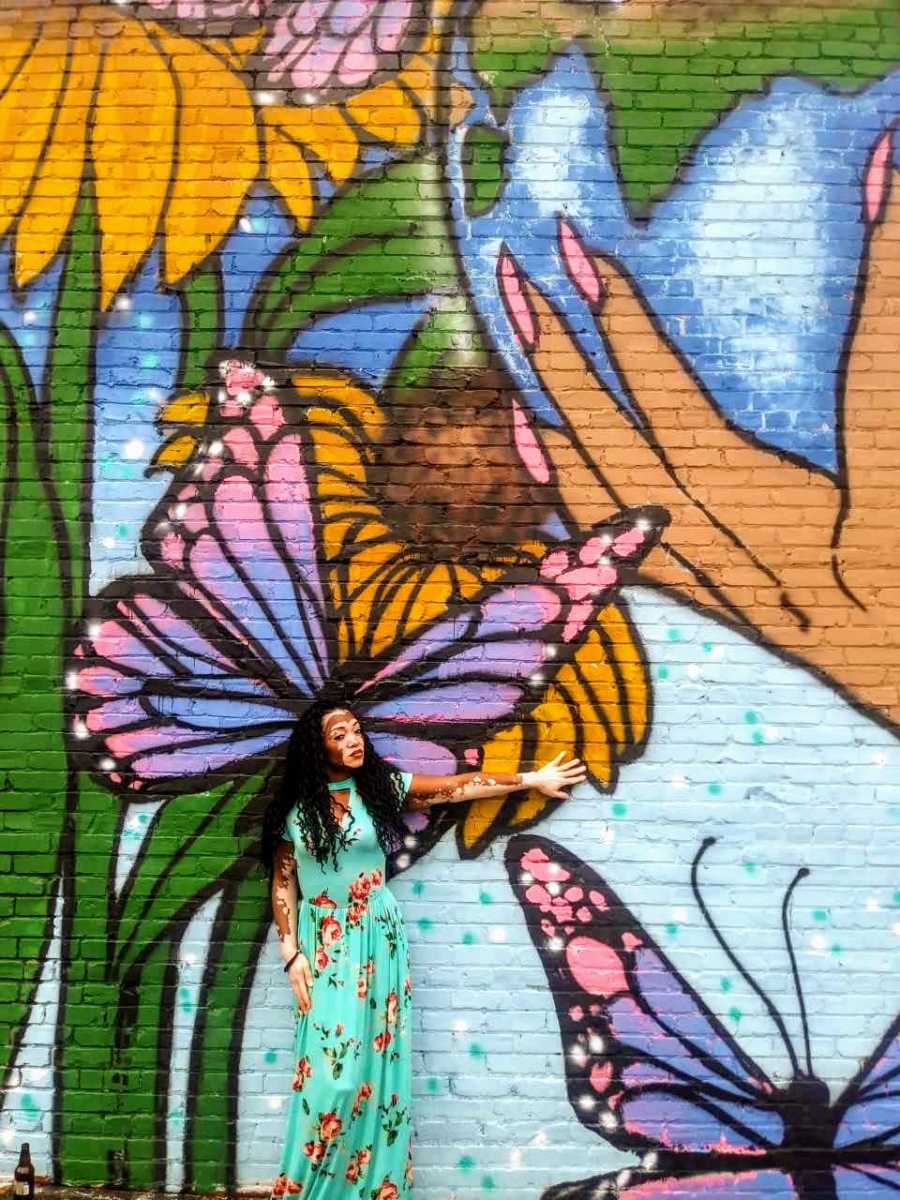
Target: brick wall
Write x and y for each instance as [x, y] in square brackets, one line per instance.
[515, 279]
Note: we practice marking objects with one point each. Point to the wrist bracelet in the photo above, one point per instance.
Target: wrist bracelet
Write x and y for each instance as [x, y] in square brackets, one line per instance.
[296, 954]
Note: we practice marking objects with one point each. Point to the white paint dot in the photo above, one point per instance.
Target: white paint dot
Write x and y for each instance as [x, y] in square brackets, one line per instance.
[818, 942]
[179, 511]
[578, 1055]
[555, 944]
[608, 1121]
[526, 877]
[94, 630]
[246, 224]
[872, 905]
[588, 1103]
[679, 782]
[680, 914]
[554, 887]
[771, 733]
[109, 543]
[29, 316]
[596, 1044]
[693, 671]
[274, 1103]
[123, 304]
[497, 934]
[71, 679]
[265, 98]
[107, 764]
[460, 1026]
[216, 449]
[80, 730]
[133, 449]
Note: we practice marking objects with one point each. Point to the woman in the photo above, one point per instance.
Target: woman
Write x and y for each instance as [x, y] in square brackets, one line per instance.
[345, 948]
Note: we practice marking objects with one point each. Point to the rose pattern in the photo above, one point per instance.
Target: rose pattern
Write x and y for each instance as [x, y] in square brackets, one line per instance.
[302, 1072]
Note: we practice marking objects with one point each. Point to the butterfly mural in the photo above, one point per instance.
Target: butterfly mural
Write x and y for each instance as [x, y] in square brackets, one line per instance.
[651, 1069]
[274, 578]
[319, 47]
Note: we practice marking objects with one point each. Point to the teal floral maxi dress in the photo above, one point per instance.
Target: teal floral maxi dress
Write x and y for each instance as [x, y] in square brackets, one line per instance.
[349, 1127]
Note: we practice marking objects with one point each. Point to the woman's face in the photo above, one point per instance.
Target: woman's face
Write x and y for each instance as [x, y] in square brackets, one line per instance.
[343, 740]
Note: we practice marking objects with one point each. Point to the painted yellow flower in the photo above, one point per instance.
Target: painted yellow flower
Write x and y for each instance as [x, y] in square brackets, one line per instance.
[158, 126]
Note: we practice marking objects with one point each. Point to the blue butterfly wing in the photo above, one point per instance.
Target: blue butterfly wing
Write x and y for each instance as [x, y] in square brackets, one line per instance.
[648, 1066]
[641, 1185]
[869, 1109]
[866, 1182]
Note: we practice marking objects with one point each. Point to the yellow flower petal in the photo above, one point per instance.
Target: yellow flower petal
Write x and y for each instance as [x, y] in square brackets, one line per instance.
[132, 146]
[218, 154]
[289, 172]
[27, 109]
[174, 453]
[325, 131]
[189, 409]
[50, 206]
[502, 753]
[388, 113]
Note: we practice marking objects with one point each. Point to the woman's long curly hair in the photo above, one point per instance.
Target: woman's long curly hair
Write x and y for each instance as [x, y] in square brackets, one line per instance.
[304, 780]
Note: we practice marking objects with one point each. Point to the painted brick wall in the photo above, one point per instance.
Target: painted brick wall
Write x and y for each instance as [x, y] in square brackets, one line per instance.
[518, 281]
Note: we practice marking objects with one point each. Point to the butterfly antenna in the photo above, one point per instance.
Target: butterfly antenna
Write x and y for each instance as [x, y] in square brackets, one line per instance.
[736, 962]
[788, 895]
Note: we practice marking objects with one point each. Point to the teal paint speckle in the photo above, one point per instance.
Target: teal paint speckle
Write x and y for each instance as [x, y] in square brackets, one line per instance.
[757, 737]
[418, 887]
[725, 984]
[714, 789]
[707, 647]
[468, 938]
[485, 898]
[672, 929]
[751, 717]
[29, 1105]
[424, 923]
[662, 672]
[122, 531]
[487, 1183]
[475, 1051]
[145, 321]
[837, 949]
[735, 1014]
[270, 1056]
[149, 362]
[432, 1085]
[750, 868]
[466, 1162]
[619, 808]
[674, 635]
[143, 818]
[821, 914]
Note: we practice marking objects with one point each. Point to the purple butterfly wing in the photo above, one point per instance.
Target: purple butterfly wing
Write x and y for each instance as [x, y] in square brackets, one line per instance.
[205, 664]
[869, 1108]
[640, 1185]
[475, 670]
[329, 48]
[648, 1066]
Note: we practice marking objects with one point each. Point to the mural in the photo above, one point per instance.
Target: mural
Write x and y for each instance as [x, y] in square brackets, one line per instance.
[533, 374]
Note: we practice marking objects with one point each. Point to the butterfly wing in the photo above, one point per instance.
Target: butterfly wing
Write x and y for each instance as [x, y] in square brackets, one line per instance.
[641, 1185]
[205, 663]
[329, 48]
[868, 1111]
[648, 1066]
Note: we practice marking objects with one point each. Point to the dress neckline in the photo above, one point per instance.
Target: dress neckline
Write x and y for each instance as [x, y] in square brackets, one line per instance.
[341, 785]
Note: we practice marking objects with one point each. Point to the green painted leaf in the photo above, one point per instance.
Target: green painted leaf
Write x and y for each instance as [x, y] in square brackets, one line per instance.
[667, 78]
[483, 167]
[192, 845]
[383, 239]
[33, 771]
[202, 320]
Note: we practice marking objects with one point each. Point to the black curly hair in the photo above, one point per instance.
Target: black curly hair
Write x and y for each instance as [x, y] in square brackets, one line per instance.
[303, 780]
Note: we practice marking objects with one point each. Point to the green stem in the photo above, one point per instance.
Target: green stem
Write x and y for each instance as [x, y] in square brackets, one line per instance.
[238, 936]
[32, 758]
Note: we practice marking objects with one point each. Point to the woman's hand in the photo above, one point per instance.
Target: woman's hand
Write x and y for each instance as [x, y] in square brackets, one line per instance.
[555, 775]
[300, 976]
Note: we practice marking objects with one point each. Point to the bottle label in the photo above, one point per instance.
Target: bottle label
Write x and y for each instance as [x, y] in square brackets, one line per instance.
[21, 1187]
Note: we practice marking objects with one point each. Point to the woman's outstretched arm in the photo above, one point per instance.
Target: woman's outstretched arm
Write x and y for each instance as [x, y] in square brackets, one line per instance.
[550, 779]
[285, 891]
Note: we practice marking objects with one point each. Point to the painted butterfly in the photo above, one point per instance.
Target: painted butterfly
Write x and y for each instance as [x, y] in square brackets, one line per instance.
[651, 1069]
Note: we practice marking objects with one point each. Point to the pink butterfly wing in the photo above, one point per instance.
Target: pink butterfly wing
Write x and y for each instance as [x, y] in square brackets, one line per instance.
[648, 1066]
